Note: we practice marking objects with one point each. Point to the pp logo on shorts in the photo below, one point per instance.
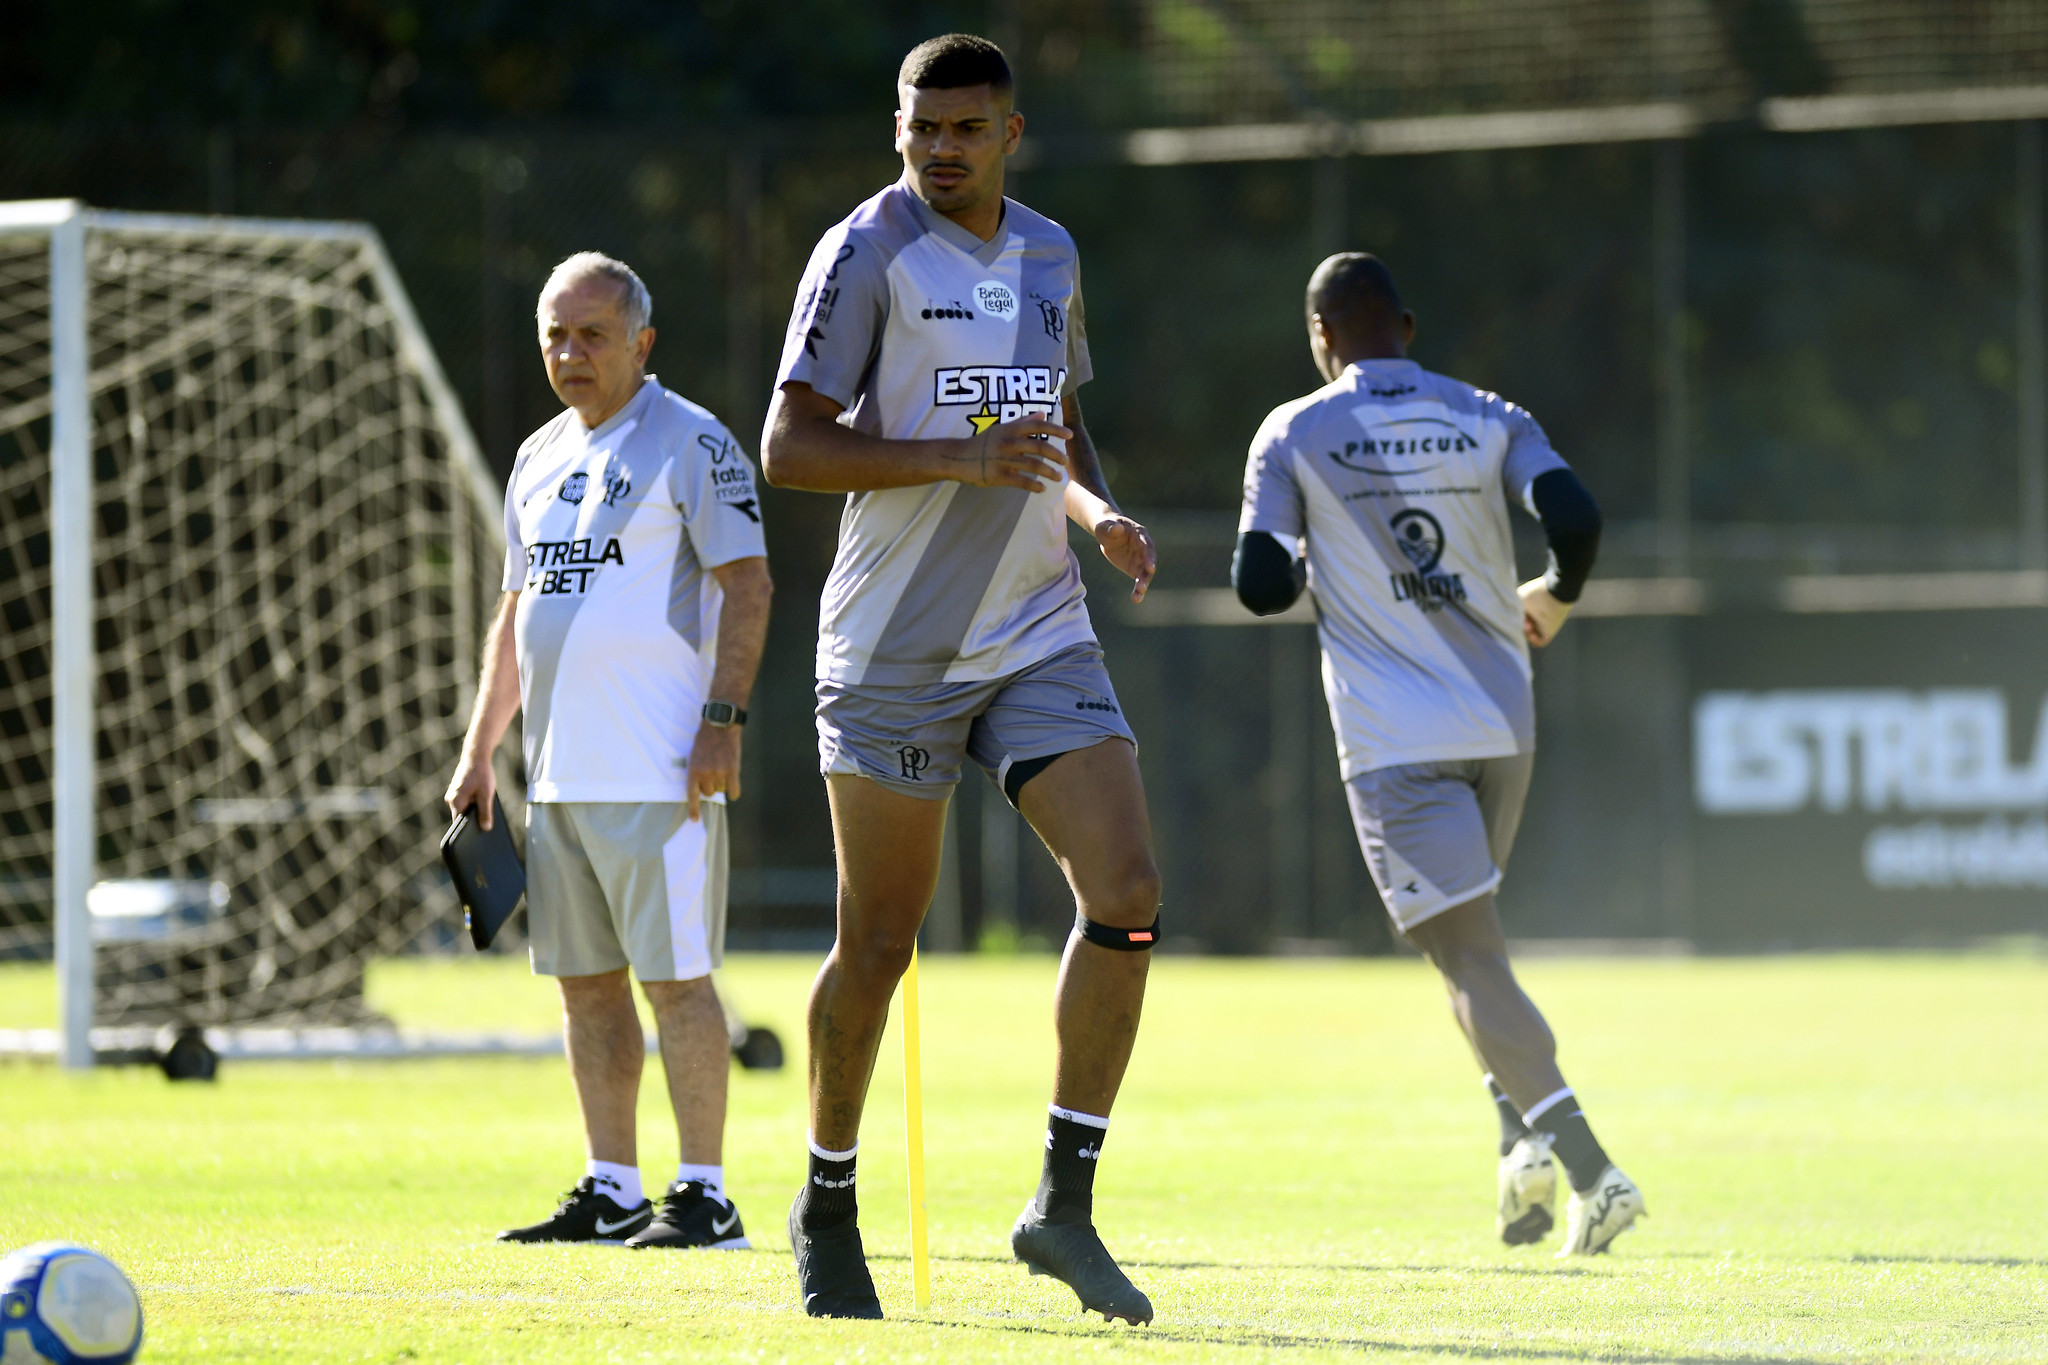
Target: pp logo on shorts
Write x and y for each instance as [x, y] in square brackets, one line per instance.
[915, 761]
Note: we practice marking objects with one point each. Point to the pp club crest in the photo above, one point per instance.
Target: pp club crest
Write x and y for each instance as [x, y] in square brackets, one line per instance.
[1420, 536]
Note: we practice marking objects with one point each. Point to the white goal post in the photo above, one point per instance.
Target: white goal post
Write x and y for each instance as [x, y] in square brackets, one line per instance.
[247, 544]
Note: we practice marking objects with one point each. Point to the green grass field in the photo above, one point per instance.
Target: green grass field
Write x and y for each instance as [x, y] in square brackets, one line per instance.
[1845, 1159]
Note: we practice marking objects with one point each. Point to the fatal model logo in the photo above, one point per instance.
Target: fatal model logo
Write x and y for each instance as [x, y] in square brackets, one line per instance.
[999, 393]
[915, 761]
[996, 299]
[573, 486]
[1420, 536]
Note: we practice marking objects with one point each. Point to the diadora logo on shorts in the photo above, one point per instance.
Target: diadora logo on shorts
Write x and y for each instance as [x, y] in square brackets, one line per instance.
[564, 567]
[914, 761]
[1388, 446]
[1108, 706]
[999, 393]
[996, 299]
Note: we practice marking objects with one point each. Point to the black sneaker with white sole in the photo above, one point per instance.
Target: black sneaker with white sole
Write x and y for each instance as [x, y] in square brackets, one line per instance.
[585, 1216]
[1065, 1246]
[690, 1217]
[832, 1270]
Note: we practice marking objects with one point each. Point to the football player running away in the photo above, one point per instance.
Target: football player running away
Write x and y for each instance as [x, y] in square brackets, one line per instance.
[1397, 482]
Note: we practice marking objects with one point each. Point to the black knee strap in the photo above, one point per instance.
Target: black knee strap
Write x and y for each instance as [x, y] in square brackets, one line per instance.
[1122, 940]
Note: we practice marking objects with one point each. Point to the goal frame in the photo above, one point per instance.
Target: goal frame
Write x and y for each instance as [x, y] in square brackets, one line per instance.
[69, 224]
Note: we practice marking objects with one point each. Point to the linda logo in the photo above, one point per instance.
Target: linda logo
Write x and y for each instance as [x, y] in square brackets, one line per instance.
[1420, 536]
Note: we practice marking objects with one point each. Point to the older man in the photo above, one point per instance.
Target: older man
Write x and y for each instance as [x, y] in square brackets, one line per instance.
[635, 607]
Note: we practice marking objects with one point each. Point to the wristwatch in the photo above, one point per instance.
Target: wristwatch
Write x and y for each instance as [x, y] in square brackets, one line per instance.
[723, 713]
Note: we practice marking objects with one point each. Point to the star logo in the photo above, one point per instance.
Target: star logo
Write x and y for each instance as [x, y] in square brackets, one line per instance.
[983, 420]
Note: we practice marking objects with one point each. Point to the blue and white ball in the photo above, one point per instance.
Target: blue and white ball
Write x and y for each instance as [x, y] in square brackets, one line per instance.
[62, 1304]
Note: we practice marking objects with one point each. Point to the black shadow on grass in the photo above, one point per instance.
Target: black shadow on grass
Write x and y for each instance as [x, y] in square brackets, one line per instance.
[1353, 1268]
[1862, 1258]
[1298, 1341]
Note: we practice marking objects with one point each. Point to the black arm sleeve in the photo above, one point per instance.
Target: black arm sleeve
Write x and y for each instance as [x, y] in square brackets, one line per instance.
[1571, 523]
[1266, 577]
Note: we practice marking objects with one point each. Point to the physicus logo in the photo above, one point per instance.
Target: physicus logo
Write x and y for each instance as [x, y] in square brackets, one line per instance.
[996, 299]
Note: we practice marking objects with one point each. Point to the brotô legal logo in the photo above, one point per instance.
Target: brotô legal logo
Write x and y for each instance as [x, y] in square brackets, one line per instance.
[996, 299]
[1420, 536]
[1390, 445]
[572, 487]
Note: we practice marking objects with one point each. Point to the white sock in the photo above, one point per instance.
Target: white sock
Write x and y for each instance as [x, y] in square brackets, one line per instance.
[620, 1184]
[712, 1178]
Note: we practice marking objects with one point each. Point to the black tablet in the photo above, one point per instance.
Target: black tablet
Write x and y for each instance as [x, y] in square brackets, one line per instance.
[488, 874]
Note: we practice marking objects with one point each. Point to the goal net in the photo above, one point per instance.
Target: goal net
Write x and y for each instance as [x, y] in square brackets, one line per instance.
[292, 545]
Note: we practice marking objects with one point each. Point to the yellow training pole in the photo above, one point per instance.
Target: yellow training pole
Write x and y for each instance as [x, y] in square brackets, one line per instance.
[913, 1131]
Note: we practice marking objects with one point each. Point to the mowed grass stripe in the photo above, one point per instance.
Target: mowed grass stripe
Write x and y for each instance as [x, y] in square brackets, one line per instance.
[1843, 1159]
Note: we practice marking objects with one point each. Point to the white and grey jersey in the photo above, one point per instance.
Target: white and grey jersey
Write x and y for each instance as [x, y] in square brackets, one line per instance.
[1398, 480]
[921, 330]
[611, 534]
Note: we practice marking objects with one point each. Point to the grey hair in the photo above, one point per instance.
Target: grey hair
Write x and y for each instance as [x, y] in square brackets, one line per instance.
[634, 299]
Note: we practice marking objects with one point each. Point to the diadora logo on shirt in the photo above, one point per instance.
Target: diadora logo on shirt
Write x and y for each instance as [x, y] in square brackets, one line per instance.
[952, 310]
[996, 299]
[1389, 447]
[564, 567]
[1421, 538]
[1001, 393]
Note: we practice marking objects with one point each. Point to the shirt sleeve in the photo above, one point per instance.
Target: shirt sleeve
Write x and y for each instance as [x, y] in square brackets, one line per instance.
[515, 547]
[835, 330]
[1272, 496]
[1529, 455]
[1080, 369]
[714, 486]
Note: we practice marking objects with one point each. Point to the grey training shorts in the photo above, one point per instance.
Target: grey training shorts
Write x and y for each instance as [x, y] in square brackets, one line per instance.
[912, 739]
[616, 883]
[1437, 835]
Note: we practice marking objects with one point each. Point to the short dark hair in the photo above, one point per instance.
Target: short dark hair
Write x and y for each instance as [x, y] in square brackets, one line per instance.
[954, 61]
[1351, 286]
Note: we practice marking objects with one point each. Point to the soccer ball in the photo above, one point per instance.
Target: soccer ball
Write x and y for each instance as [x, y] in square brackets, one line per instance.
[62, 1304]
